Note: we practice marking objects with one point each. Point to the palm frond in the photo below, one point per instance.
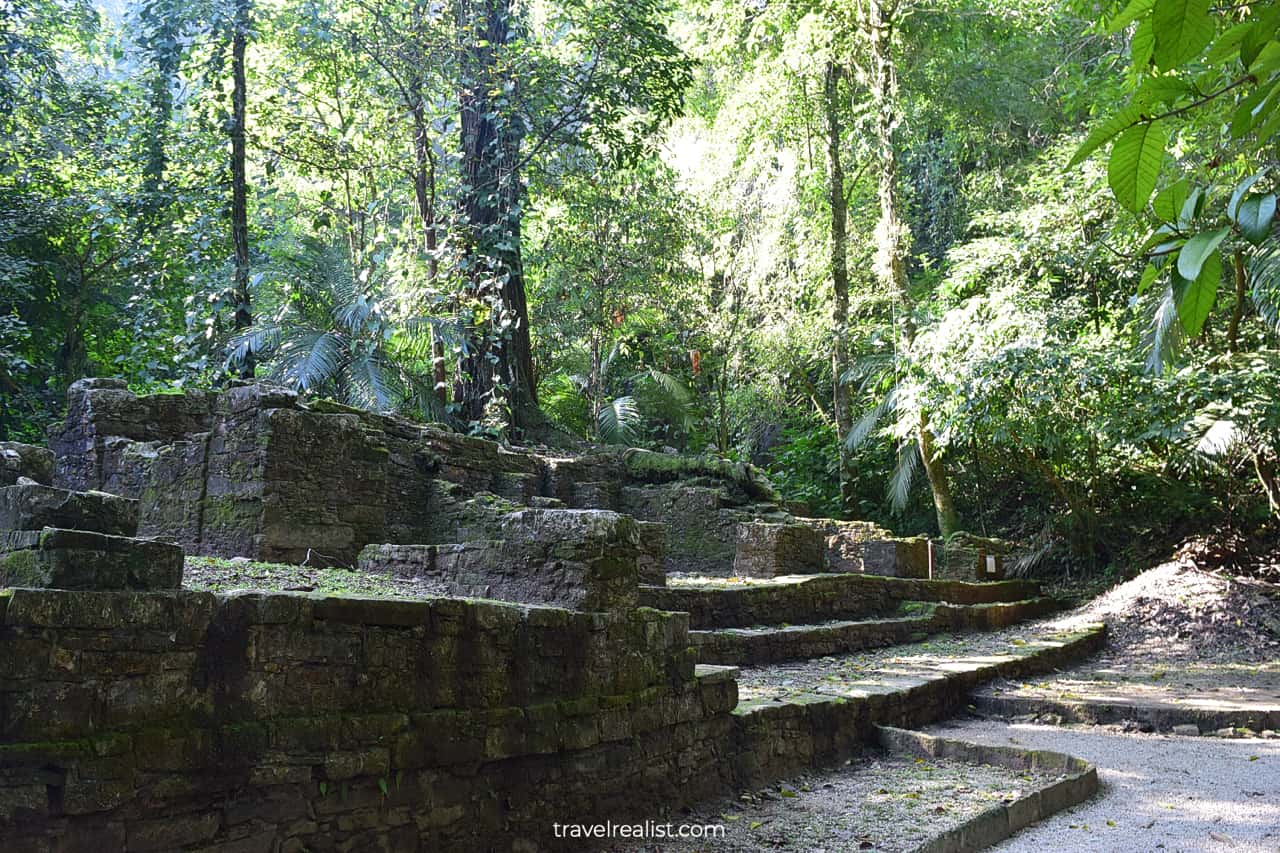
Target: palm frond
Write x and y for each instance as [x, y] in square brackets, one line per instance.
[256, 340]
[904, 475]
[619, 421]
[1164, 336]
[1264, 284]
[372, 385]
[311, 359]
[866, 425]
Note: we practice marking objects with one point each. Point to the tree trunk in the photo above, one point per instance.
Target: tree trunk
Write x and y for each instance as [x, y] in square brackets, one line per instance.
[499, 346]
[424, 188]
[239, 181]
[839, 280]
[1237, 310]
[163, 44]
[892, 236]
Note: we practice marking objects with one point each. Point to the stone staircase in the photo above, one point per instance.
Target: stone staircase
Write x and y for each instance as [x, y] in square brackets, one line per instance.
[798, 617]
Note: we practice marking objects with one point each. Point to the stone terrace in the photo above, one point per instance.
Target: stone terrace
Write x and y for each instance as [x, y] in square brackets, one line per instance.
[139, 716]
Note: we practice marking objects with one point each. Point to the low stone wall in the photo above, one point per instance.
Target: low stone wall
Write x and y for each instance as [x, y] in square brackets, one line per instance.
[581, 559]
[820, 597]
[1077, 781]
[772, 644]
[188, 721]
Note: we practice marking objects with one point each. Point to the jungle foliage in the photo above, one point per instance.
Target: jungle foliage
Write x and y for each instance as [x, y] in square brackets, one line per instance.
[1008, 266]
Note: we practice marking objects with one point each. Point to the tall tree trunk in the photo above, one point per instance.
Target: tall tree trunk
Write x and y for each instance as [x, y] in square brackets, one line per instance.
[424, 187]
[839, 280]
[239, 179]
[162, 27]
[892, 235]
[499, 346]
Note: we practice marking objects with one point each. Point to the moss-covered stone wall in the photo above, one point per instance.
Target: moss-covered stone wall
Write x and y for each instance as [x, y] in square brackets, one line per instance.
[189, 721]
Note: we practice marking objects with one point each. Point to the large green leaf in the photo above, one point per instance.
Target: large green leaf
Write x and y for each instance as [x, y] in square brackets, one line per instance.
[1195, 298]
[1154, 90]
[1183, 28]
[1130, 13]
[1199, 249]
[1255, 215]
[1142, 45]
[1251, 106]
[1262, 31]
[1227, 45]
[1168, 202]
[1237, 195]
[1135, 164]
[1101, 133]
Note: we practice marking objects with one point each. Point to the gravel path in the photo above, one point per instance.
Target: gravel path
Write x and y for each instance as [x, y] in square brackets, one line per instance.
[881, 802]
[1160, 793]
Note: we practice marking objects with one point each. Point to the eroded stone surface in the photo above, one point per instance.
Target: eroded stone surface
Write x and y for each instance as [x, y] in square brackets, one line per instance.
[25, 460]
[30, 507]
[767, 550]
[582, 559]
[83, 560]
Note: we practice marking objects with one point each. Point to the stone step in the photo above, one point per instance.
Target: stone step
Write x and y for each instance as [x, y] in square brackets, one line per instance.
[816, 598]
[796, 715]
[774, 643]
[754, 646]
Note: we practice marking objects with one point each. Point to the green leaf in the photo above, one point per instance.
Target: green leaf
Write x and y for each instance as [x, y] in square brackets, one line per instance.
[1227, 45]
[1268, 129]
[1183, 28]
[1142, 45]
[1135, 164]
[1247, 111]
[1262, 31]
[1169, 201]
[1191, 207]
[1195, 298]
[1154, 90]
[1130, 13]
[1103, 132]
[1199, 249]
[1268, 60]
[1239, 192]
[1255, 215]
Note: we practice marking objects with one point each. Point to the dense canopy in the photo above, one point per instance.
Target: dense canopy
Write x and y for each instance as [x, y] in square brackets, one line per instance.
[1004, 266]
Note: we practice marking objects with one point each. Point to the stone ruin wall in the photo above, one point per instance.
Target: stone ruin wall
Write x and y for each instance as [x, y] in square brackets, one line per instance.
[253, 472]
[188, 721]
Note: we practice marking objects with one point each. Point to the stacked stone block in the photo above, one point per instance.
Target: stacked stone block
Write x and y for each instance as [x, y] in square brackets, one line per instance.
[25, 463]
[580, 559]
[768, 550]
[291, 722]
[62, 539]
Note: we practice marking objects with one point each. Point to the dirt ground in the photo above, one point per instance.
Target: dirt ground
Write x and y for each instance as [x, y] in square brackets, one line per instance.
[880, 802]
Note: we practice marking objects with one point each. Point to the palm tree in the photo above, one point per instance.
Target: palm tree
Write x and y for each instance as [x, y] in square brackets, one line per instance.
[325, 330]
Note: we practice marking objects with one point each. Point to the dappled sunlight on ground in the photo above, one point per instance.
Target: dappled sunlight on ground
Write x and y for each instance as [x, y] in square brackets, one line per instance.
[1160, 792]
